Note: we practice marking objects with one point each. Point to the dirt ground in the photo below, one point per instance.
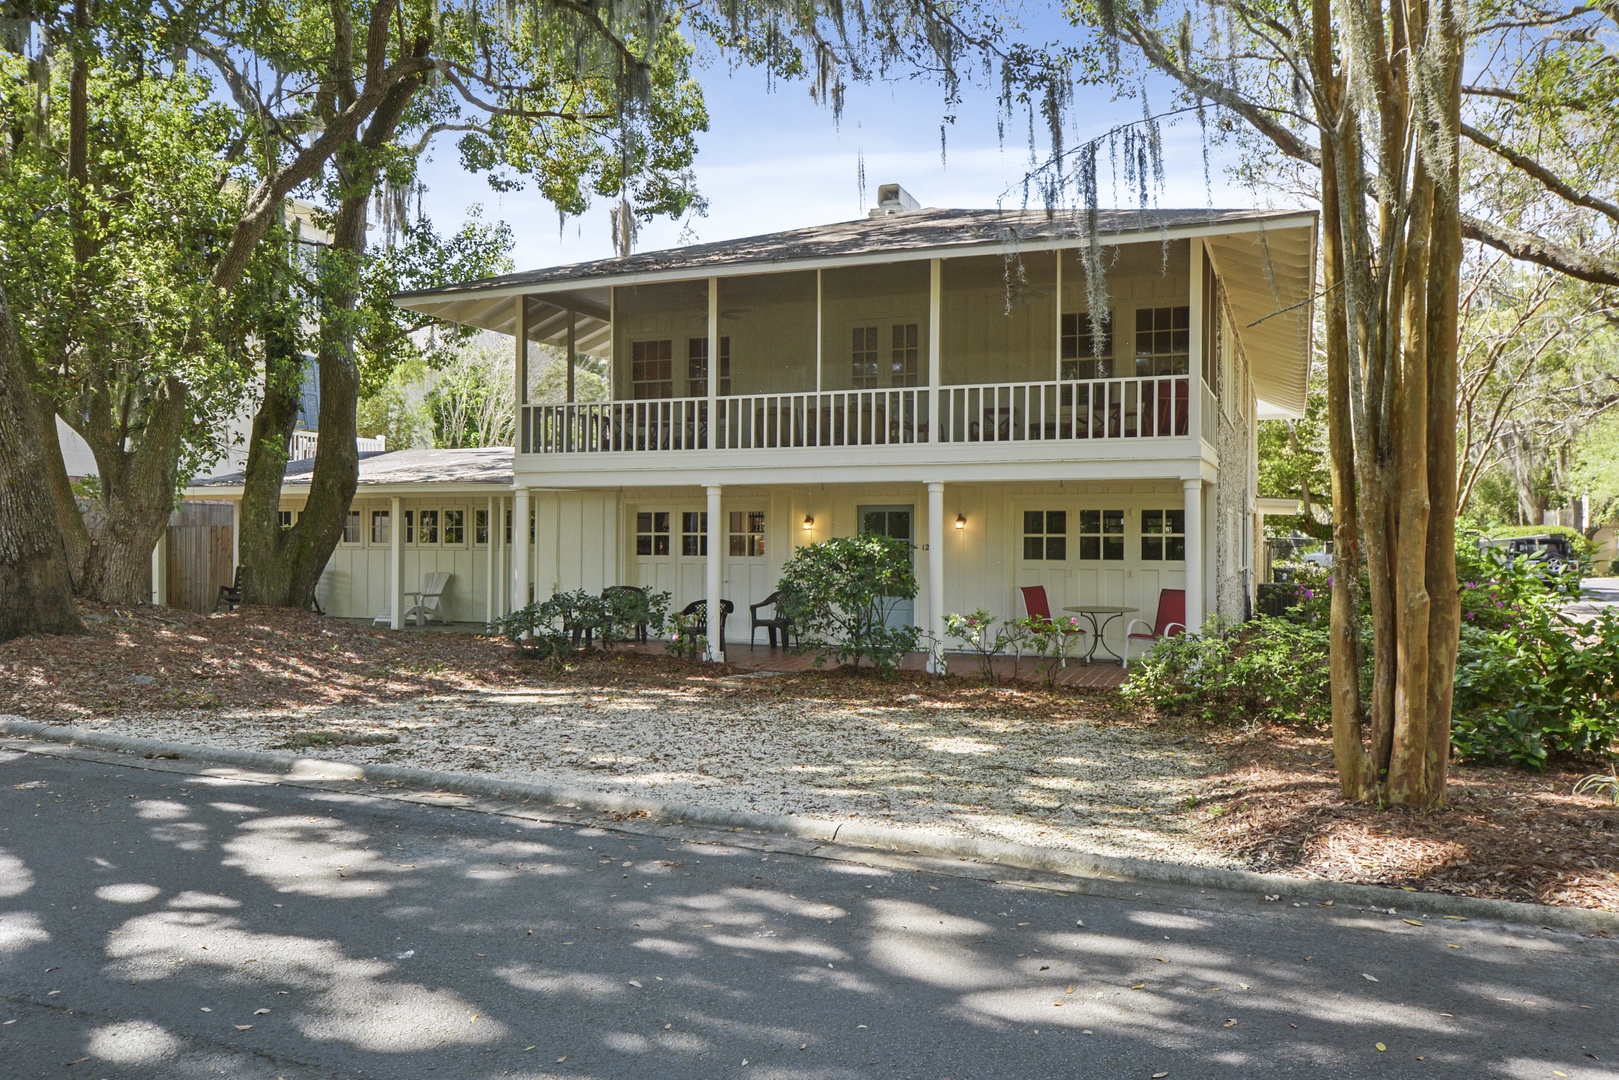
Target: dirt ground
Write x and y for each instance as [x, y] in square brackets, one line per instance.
[1265, 799]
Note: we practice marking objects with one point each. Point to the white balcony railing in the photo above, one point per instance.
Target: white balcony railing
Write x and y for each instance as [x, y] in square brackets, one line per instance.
[1137, 408]
[302, 445]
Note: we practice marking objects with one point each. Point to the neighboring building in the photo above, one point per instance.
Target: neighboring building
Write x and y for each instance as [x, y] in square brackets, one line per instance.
[929, 373]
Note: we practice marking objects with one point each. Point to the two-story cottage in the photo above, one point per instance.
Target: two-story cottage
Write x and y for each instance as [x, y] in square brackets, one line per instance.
[931, 374]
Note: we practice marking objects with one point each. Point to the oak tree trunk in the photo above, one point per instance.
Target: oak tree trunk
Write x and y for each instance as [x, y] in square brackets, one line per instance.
[35, 593]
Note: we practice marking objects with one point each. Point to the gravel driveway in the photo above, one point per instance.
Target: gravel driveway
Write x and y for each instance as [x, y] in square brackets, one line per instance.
[988, 766]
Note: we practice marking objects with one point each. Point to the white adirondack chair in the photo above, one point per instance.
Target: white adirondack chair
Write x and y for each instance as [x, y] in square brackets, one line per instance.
[429, 602]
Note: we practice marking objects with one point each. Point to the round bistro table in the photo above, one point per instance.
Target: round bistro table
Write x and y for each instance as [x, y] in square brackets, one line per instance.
[1100, 616]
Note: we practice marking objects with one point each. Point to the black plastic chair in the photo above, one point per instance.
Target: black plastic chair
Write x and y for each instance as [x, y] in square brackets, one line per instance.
[777, 621]
[622, 590]
[230, 596]
[700, 607]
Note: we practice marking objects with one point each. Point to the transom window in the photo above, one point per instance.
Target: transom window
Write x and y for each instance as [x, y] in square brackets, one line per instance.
[697, 366]
[1163, 340]
[1101, 535]
[427, 527]
[747, 533]
[455, 527]
[1045, 535]
[351, 527]
[694, 532]
[1087, 354]
[381, 532]
[652, 369]
[652, 532]
[863, 358]
[1163, 535]
[906, 356]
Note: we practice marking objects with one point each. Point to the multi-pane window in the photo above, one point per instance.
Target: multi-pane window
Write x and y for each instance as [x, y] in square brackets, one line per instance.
[508, 515]
[380, 527]
[480, 528]
[1101, 535]
[1087, 349]
[747, 532]
[351, 527]
[1163, 535]
[652, 369]
[1045, 535]
[410, 526]
[284, 518]
[694, 532]
[1163, 340]
[904, 360]
[863, 358]
[697, 366]
[427, 527]
[455, 527]
[652, 532]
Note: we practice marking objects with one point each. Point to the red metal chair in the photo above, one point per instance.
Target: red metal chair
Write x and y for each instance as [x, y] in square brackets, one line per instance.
[1171, 620]
[1035, 604]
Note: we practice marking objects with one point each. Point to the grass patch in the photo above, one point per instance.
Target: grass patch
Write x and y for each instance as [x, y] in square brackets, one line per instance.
[303, 740]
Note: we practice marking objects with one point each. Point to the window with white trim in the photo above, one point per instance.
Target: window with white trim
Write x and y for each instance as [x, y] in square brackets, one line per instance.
[747, 533]
[1163, 535]
[652, 369]
[351, 528]
[410, 526]
[284, 518]
[480, 528]
[1045, 535]
[427, 527]
[381, 521]
[652, 532]
[694, 532]
[1163, 340]
[1087, 349]
[455, 528]
[1101, 535]
[905, 359]
[863, 358]
[697, 366]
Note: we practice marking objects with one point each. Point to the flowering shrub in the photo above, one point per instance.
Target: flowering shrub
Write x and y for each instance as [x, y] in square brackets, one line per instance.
[687, 640]
[1054, 639]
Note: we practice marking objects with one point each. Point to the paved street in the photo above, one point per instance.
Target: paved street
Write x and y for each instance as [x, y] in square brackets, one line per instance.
[160, 924]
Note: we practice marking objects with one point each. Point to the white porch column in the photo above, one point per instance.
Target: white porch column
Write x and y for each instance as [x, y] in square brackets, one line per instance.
[160, 568]
[489, 562]
[520, 558]
[1194, 554]
[396, 565]
[935, 565]
[935, 294]
[716, 536]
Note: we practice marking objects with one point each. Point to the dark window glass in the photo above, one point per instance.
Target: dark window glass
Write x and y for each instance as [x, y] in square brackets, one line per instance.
[694, 532]
[1163, 341]
[652, 369]
[863, 358]
[1087, 354]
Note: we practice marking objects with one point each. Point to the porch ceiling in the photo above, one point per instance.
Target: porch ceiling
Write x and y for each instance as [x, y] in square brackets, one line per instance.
[1269, 277]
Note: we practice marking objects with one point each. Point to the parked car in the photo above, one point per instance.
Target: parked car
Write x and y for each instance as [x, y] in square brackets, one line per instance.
[1547, 549]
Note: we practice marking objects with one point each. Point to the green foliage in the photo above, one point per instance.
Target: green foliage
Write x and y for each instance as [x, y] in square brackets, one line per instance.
[840, 593]
[688, 640]
[977, 634]
[551, 629]
[1532, 680]
[1266, 671]
[1054, 640]
[1293, 461]
[1600, 784]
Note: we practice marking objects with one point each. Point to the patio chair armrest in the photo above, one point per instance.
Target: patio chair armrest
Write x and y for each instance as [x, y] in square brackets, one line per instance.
[1129, 627]
[1172, 626]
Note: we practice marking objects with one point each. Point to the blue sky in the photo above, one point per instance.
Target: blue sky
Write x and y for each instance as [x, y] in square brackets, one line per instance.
[773, 159]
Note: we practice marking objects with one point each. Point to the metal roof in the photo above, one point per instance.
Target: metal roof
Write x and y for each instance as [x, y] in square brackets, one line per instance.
[478, 465]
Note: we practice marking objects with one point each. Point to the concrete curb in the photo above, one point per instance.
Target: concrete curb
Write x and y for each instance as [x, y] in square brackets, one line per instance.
[850, 834]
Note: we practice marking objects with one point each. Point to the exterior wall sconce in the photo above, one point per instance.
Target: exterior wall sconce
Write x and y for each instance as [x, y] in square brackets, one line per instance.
[961, 521]
[809, 523]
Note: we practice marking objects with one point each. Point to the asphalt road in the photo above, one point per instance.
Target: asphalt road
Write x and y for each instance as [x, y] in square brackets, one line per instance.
[159, 924]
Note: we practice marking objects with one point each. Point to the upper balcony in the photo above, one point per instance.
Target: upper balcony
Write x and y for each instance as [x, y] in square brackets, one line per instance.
[974, 347]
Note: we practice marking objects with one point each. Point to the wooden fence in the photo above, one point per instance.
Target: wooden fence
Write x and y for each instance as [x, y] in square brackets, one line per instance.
[199, 554]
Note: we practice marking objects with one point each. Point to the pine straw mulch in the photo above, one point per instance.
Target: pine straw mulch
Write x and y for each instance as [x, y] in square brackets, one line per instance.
[1506, 834]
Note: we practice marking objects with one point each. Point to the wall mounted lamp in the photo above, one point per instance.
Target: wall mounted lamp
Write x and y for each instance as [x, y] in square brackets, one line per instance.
[961, 521]
[809, 523]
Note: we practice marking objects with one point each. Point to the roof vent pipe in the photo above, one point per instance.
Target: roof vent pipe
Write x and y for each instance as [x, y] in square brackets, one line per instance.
[893, 199]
